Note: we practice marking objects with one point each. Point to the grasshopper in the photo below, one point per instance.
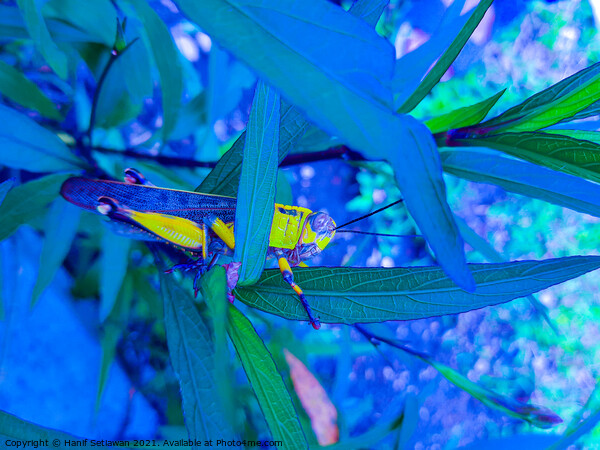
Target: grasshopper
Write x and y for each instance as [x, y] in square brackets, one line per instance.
[201, 224]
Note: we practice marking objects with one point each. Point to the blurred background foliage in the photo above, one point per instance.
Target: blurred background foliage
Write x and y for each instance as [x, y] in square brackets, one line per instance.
[111, 378]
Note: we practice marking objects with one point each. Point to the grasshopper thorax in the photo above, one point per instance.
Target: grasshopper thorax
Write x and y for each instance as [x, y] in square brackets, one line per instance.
[318, 230]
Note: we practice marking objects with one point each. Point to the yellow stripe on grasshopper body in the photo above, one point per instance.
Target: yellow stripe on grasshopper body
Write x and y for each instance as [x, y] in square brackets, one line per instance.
[179, 231]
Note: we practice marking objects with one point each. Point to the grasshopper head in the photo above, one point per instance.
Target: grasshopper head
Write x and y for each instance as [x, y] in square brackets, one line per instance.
[319, 229]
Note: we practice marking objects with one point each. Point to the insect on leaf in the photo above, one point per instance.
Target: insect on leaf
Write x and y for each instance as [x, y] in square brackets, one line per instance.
[258, 181]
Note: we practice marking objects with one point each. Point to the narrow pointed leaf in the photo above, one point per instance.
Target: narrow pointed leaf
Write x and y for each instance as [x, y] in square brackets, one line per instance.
[427, 194]
[272, 395]
[27, 201]
[15, 86]
[113, 266]
[412, 67]
[442, 65]
[192, 354]
[61, 225]
[167, 61]
[462, 117]
[524, 178]
[36, 26]
[256, 193]
[561, 153]
[26, 145]
[360, 295]
[559, 102]
[536, 415]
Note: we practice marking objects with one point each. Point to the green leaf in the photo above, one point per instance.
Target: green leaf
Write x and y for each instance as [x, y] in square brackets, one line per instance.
[36, 26]
[26, 145]
[97, 18]
[442, 65]
[167, 61]
[15, 86]
[562, 153]
[224, 178]
[27, 201]
[323, 82]
[256, 193]
[360, 295]
[192, 355]
[60, 229]
[557, 103]
[583, 135]
[273, 397]
[463, 117]
[524, 178]
[5, 186]
[13, 428]
[113, 267]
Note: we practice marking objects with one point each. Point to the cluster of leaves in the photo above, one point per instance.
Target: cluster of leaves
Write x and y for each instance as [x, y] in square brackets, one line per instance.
[351, 89]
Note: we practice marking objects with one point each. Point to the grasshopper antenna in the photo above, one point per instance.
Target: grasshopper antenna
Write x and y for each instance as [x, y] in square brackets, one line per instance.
[368, 215]
[382, 234]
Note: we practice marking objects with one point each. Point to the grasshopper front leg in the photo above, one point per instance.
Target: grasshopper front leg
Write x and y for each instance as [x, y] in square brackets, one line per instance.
[288, 276]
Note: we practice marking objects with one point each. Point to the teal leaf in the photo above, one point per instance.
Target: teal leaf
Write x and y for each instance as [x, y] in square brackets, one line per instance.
[561, 153]
[272, 395]
[26, 145]
[463, 117]
[258, 181]
[582, 135]
[18, 430]
[523, 178]
[61, 225]
[425, 187]
[97, 18]
[360, 295]
[27, 201]
[36, 26]
[167, 61]
[15, 86]
[113, 267]
[559, 102]
[447, 58]
[192, 355]
[224, 178]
